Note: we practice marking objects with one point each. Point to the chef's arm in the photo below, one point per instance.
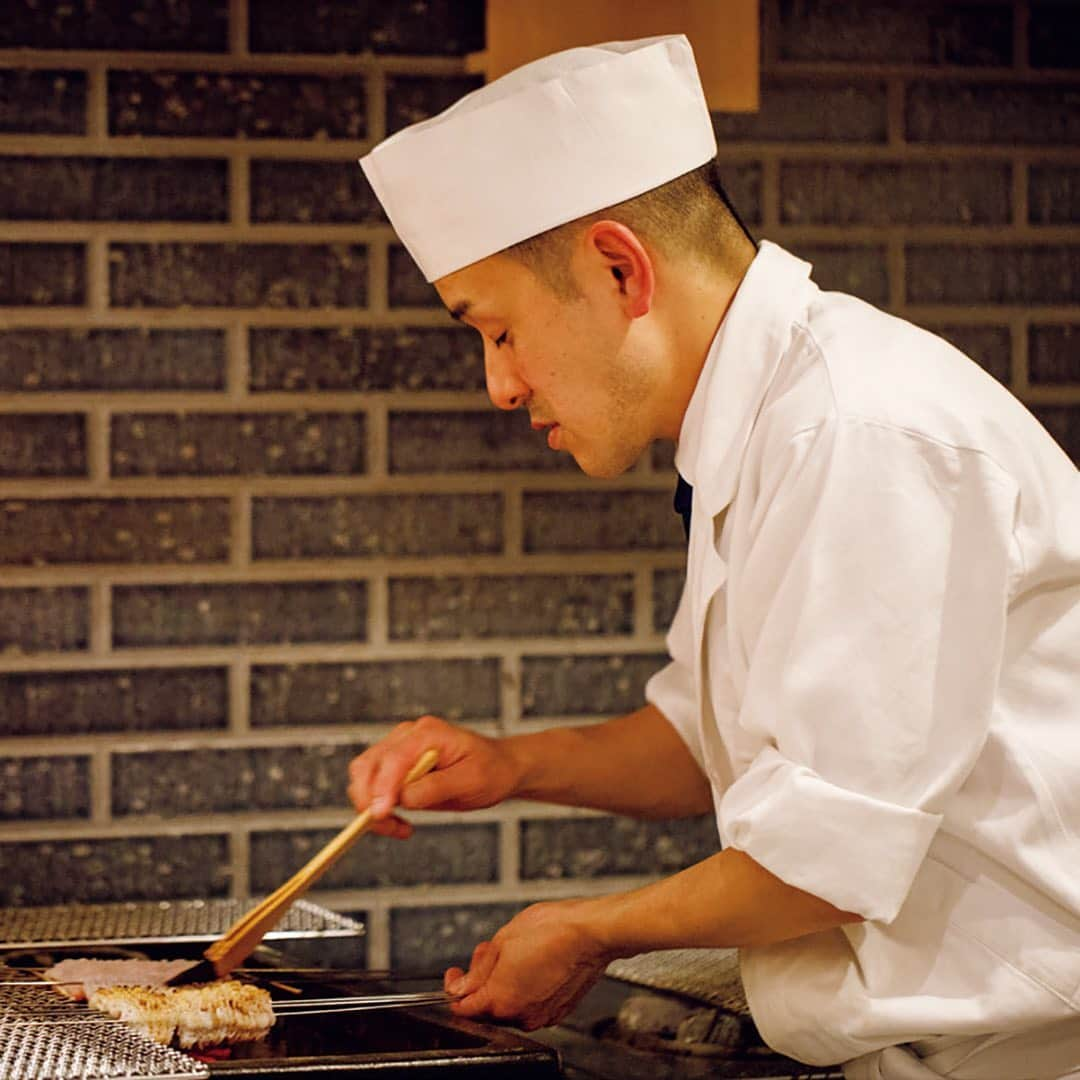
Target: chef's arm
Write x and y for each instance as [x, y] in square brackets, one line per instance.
[635, 764]
[542, 961]
[727, 900]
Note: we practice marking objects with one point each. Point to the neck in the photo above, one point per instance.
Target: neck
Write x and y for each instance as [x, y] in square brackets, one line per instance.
[697, 307]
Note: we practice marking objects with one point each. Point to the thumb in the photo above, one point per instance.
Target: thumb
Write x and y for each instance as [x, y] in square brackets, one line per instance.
[481, 966]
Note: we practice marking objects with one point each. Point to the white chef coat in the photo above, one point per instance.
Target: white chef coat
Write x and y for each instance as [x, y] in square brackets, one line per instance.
[876, 661]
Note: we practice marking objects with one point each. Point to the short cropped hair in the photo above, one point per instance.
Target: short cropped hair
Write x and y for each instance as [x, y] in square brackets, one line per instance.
[690, 216]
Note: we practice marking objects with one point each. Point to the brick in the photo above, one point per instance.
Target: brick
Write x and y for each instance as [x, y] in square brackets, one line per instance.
[312, 191]
[989, 346]
[1063, 422]
[113, 189]
[1006, 114]
[452, 608]
[427, 940]
[351, 358]
[1053, 31]
[377, 525]
[826, 193]
[286, 695]
[38, 532]
[32, 788]
[44, 620]
[941, 274]
[406, 285]
[742, 183]
[667, 588]
[42, 275]
[859, 32]
[42, 444]
[195, 26]
[586, 685]
[602, 847]
[1054, 195]
[237, 104]
[800, 111]
[42, 102]
[98, 702]
[435, 855]
[412, 98]
[468, 441]
[601, 521]
[861, 271]
[252, 614]
[432, 27]
[96, 871]
[237, 444]
[207, 781]
[298, 276]
[1054, 355]
[40, 359]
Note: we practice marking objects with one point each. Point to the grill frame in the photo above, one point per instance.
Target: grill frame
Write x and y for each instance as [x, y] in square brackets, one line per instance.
[163, 922]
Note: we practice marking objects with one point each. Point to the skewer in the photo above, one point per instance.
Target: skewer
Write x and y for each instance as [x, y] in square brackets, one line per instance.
[435, 997]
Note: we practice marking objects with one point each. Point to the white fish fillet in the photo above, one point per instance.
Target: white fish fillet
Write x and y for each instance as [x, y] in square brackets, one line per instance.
[205, 1014]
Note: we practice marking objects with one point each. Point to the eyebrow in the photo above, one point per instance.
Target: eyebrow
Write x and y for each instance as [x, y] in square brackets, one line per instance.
[460, 310]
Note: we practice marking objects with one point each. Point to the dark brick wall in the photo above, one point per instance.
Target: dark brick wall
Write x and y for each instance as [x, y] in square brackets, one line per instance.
[254, 506]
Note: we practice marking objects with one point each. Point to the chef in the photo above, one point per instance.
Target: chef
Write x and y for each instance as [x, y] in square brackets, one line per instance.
[875, 663]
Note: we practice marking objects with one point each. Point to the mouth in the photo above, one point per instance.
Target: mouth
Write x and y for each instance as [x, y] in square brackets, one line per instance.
[553, 432]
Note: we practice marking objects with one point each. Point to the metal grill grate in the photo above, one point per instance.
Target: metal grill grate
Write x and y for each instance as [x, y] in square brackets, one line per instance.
[45, 1037]
[150, 923]
[708, 975]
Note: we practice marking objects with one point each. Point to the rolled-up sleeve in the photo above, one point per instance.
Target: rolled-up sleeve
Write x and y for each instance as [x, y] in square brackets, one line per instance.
[871, 625]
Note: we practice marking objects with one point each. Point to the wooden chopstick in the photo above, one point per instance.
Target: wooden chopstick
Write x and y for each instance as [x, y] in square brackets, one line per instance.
[240, 940]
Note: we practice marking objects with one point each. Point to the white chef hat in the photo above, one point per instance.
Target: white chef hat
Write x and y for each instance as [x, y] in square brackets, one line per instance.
[554, 140]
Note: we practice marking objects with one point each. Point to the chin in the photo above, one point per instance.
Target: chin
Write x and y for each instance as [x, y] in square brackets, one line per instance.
[604, 468]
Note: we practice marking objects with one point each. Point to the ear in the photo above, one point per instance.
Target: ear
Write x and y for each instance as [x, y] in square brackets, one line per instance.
[627, 263]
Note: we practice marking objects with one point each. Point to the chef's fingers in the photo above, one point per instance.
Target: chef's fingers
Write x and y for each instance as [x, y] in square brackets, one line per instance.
[394, 827]
[401, 750]
[470, 986]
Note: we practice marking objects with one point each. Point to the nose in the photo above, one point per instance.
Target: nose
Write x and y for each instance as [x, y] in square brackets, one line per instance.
[504, 385]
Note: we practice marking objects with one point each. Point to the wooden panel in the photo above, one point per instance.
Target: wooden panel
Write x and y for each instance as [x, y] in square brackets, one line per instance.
[724, 34]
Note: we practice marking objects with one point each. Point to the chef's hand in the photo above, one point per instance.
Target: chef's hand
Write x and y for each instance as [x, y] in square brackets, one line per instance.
[535, 969]
[472, 772]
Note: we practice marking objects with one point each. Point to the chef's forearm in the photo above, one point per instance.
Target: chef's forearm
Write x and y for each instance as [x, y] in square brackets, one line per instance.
[636, 764]
[725, 901]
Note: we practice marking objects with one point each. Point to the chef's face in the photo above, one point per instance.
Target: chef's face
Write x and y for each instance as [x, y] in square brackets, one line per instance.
[580, 367]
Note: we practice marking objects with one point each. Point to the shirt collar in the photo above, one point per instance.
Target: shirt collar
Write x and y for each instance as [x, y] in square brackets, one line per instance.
[740, 365]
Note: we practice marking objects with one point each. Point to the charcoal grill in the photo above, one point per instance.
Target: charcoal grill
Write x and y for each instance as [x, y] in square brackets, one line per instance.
[43, 1037]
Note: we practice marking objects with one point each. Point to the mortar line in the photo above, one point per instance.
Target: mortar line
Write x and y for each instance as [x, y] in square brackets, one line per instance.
[238, 29]
[240, 696]
[509, 851]
[100, 786]
[97, 422]
[97, 276]
[100, 618]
